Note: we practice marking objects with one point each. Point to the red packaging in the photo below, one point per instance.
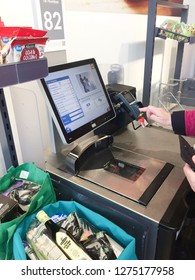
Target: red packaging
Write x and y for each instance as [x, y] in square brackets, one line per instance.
[16, 31]
[23, 49]
[21, 43]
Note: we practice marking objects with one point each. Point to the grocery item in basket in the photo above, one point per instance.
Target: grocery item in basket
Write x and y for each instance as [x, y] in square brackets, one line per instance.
[8, 209]
[73, 225]
[64, 240]
[23, 192]
[99, 247]
[39, 245]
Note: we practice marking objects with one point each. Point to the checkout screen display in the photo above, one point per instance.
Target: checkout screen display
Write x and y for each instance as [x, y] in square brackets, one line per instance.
[124, 169]
[77, 98]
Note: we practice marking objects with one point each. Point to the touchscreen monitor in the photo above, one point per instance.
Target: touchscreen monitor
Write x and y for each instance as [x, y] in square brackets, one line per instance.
[77, 98]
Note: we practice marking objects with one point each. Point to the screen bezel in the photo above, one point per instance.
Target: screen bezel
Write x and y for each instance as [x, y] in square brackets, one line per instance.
[68, 138]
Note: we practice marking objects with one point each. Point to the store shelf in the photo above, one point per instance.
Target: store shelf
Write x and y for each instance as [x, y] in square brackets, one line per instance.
[154, 32]
[172, 5]
[20, 72]
[161, 33]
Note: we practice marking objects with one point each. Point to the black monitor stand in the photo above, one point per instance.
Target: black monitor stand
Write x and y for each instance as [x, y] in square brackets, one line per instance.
[94, 152]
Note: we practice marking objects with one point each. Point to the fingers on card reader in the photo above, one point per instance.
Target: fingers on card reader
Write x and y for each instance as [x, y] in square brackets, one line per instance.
[131, 106]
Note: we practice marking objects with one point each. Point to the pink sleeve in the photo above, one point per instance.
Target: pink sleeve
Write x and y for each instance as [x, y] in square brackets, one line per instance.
[190, 123]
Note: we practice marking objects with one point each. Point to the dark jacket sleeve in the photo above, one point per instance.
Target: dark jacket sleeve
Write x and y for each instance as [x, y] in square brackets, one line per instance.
[178, 122]
[183, 122]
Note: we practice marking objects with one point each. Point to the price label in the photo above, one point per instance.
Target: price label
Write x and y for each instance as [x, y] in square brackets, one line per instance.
[52, 18]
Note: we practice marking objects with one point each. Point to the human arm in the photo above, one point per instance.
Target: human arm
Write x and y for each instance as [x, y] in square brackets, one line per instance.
[181, 122]
[158, 115]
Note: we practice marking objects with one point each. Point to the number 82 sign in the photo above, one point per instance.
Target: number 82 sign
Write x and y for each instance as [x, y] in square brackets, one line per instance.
[49, 16]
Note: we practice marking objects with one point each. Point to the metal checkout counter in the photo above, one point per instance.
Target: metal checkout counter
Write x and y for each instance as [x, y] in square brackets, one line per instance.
[150, 203]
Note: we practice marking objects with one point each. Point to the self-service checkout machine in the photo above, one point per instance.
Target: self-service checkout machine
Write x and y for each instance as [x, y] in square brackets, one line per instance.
[110, 173]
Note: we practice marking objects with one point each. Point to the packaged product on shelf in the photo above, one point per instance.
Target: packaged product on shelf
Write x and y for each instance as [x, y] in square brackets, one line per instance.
[21, 43]
[168, 25]
[177, 30]
[191, 28]
[22, 31]
[9, 32]
[23, 49]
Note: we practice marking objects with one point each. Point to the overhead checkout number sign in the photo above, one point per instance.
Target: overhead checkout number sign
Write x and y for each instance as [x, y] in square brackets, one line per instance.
[48, 15]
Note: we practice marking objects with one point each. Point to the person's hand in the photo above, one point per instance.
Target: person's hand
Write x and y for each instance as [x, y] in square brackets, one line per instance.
[190, 174]
[158, 115]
